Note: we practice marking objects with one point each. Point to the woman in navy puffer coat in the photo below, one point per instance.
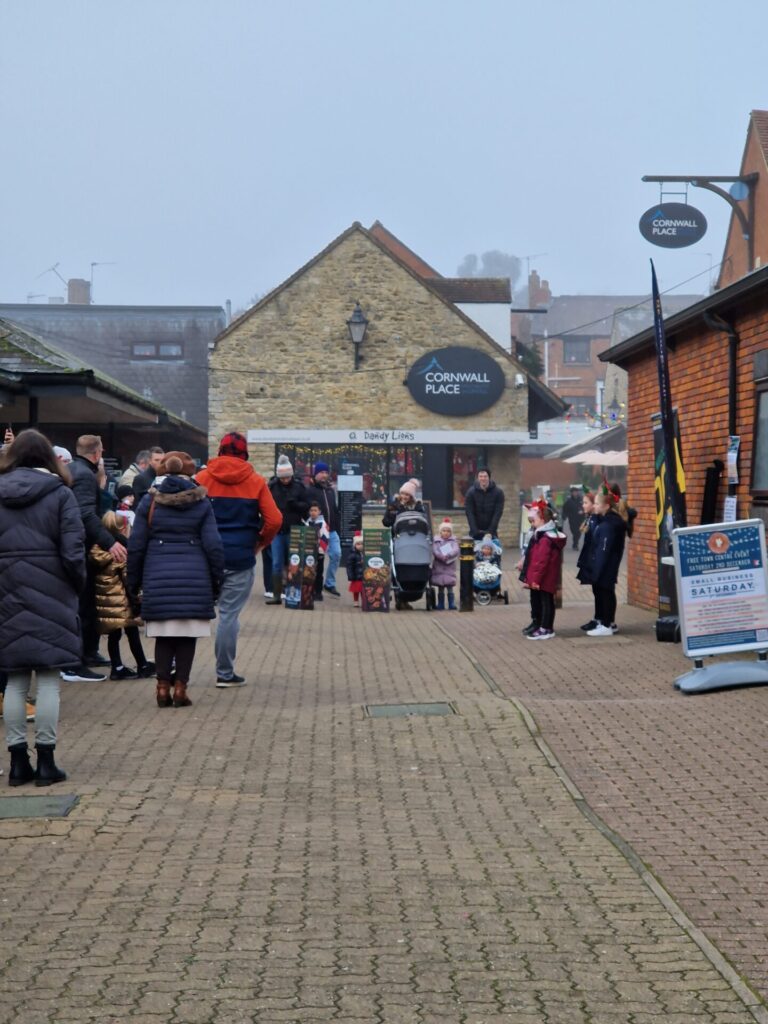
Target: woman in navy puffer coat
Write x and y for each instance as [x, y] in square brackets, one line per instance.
[42, 571]
[176, 561]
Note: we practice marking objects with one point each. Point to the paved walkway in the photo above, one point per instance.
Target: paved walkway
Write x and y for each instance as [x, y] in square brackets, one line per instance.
[683, 779]
[272, 854]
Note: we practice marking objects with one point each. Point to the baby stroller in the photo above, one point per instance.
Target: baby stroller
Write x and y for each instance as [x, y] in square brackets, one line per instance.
[486, 578]
[411, 559]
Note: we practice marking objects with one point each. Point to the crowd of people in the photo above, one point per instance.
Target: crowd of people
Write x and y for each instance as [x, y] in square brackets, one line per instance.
[169, 547]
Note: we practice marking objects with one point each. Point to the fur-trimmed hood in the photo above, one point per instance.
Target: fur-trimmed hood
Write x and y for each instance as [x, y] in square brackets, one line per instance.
[177, 492]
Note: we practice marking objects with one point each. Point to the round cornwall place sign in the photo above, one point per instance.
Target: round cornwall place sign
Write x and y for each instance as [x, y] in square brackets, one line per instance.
[456, 381]
[673, 225]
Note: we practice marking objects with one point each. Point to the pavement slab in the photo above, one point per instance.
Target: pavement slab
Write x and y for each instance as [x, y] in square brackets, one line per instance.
[272, 854]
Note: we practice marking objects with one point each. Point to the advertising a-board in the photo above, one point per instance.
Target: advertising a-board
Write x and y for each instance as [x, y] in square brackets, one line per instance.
[721, 586]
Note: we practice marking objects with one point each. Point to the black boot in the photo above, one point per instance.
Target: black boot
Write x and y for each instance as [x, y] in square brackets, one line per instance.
[277, 589]
[21, 769]
[47, 773]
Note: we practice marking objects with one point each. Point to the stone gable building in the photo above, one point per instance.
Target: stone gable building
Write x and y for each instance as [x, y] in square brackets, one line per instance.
[287, 374]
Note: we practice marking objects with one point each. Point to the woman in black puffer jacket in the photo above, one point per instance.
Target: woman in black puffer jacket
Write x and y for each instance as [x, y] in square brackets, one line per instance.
[176, 561]
[42, 571]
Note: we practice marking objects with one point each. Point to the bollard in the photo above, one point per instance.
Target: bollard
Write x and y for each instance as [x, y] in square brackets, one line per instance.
[467, 566]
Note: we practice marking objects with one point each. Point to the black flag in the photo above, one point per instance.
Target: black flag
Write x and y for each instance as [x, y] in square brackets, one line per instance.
[671, 454]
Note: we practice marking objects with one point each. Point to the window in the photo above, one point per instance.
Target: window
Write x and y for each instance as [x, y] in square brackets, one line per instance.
[576, 351]
[580, 405]
[760, 450]
[152, 350]
[465, 465]
[140, 350]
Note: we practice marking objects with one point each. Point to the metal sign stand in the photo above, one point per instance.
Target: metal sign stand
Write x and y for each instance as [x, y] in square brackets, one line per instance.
[724, 674]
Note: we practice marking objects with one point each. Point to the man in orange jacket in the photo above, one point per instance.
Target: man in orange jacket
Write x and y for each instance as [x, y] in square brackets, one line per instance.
[248, 519]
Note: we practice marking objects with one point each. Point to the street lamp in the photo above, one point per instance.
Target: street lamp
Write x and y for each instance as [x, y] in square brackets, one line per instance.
[357, 326]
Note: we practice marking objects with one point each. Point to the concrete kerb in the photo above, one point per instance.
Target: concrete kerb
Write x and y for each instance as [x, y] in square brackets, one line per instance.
[751, 1000]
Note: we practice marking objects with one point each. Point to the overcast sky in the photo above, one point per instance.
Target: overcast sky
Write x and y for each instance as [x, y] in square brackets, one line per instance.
[211, 148]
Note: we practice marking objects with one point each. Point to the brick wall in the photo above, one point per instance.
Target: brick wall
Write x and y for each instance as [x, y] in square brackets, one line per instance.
[699, 380]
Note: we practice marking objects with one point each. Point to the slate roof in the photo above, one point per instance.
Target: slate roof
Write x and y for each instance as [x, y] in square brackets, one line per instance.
[592, 315]
[24, 355]
[103, 337]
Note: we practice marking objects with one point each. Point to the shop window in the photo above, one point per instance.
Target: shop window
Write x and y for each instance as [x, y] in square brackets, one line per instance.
[576, 351]
[370, 463]
[760, 448]
[404, 463]
[465, 464]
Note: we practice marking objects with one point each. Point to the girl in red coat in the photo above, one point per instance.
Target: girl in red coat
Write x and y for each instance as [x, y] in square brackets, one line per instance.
[541, 570]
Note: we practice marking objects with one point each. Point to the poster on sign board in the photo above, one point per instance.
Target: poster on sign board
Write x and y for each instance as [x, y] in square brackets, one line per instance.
[721, 587]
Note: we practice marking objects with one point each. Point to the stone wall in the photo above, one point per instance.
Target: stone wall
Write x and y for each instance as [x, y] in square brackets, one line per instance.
[289, 362]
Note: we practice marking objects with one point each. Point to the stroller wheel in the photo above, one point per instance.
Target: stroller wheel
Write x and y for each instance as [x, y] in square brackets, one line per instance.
[483, 597]
[506, 597]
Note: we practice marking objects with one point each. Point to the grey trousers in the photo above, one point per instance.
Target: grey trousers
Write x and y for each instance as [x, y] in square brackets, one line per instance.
[46, 709]
[234, 593]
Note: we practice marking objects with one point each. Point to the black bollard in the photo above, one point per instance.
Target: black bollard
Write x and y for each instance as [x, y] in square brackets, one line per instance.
[467, 567]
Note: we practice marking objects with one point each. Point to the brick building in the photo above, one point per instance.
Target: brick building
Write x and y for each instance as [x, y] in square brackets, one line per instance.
[754, 161]
[286, 372]
[729, 324]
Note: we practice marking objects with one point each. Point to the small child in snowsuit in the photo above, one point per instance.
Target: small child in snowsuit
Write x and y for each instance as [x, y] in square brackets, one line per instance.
[355, 568]
[445, 554]
[116, 610]
[317, 520]
[487, 551]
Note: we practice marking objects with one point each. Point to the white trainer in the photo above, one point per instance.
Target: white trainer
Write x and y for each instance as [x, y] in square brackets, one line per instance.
[600, 630]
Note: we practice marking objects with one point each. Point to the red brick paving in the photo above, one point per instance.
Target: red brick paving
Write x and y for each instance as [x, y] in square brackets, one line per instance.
[684, 779]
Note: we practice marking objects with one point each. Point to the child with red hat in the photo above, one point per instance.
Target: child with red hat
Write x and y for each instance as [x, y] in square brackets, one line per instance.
[355, 567]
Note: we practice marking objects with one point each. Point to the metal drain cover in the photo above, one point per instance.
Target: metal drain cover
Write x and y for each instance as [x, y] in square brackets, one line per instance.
[37, 806]
[406, 710]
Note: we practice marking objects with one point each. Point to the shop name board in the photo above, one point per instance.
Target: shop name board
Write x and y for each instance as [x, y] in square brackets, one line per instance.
[384, 436]
[456, 381]
[673, 225]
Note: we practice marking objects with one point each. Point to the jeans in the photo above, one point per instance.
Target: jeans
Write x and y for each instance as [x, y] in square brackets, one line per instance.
[332, 557]
[46, 709]
[234, 593]
[280, 547]
[266, 566]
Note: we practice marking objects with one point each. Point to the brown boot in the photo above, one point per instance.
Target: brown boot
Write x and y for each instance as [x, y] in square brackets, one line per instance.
[180, 698]
[163, 693]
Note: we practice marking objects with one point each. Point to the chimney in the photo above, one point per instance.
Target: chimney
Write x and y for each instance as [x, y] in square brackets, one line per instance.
[78, 291]
[538, 291]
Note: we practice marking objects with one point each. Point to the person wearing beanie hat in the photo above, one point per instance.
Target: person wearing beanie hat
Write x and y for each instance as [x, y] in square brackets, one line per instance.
[321, 490]
[234, 444]
[405, 501]
[292, 502]
[176, 563]
[355, 567]
[445, 555]
[248, 519]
